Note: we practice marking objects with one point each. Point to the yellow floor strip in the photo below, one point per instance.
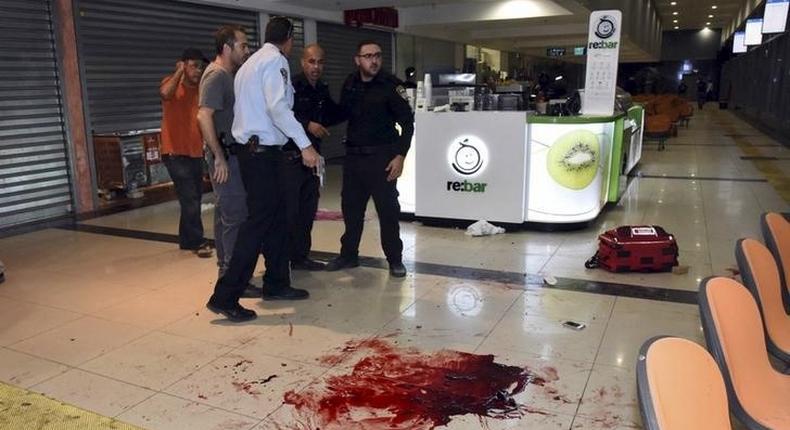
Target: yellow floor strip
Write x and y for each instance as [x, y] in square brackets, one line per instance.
[24, 410]
[775, 176]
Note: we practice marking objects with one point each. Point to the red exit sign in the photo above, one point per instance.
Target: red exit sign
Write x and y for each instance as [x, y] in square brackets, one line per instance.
[377, 16]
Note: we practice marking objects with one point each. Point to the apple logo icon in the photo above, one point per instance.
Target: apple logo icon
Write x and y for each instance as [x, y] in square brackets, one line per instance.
[467, 158]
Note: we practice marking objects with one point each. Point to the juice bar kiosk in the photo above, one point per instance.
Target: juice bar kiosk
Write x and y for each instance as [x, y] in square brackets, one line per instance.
[519, 166]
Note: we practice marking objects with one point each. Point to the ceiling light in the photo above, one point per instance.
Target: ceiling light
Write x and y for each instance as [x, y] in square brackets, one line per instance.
[674, 13]
[673, 3]
[714, 7]
[676, 27]
[707, 24]
[675, 21]
[710, 16]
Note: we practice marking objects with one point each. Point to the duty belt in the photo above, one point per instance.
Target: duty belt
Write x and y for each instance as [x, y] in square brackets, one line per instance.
[254, 146]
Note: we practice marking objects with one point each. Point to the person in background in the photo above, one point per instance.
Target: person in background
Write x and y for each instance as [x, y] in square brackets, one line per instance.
[215, 116]
[375, 151]
[263, 122]
[702, 88]
[411, 78]
[182, 147]
[315, 110]
[682, 89]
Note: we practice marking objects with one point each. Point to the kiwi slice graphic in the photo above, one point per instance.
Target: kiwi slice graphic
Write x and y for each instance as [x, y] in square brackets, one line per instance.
[573, 159]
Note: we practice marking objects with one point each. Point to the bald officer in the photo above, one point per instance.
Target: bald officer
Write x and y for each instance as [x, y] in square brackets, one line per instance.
[315, 110]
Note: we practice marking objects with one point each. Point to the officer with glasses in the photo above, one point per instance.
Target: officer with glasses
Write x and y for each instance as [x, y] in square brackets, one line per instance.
[263, 122]
[375, 102]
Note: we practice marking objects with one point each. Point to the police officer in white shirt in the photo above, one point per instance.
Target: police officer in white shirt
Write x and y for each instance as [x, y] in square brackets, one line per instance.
[263, 122]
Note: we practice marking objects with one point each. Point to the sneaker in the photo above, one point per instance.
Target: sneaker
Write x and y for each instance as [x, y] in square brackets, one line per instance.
[341, 262]
[204, 251]
[308, 264]
[397, 270]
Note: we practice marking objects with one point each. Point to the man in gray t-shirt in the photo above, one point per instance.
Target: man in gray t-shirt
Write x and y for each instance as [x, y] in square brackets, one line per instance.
[215, 117]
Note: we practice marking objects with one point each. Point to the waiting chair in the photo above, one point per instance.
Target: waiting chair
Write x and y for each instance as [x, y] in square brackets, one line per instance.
[776, 234]
[686, 112]
[658, 127]
[680, 387]
[761, 277]
[758, 395]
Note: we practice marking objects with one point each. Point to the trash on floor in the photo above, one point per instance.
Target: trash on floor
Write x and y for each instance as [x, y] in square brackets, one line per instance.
[483, 228]
[680, 270]
[549, 280]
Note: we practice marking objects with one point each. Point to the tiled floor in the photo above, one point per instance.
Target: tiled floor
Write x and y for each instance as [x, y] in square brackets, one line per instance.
[117, 325]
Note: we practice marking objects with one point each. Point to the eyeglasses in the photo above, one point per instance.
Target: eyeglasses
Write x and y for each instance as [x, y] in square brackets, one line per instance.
[373, 56]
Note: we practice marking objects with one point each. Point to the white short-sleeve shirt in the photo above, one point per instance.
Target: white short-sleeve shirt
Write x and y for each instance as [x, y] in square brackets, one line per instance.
[264, 101]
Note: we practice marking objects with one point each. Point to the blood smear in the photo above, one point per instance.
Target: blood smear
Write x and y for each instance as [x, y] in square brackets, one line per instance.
[396, 389]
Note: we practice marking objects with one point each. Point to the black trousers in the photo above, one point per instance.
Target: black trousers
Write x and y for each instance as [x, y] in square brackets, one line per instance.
[301, 203]
[264, 229]
[364, 177]
[187, 175]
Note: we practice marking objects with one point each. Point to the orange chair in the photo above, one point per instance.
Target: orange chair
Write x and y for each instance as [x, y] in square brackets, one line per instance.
[666, 107]
[758, 395]
[680, 387]
[686, 112]
[760, 275]
[658, 127]
[776, 233]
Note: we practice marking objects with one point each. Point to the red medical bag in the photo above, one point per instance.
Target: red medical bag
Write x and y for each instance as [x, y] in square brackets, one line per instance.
[641, 248]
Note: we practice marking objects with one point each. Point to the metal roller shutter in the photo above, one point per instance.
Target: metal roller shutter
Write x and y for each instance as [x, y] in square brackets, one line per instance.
[340, 45]
[126, 47]
[295, 59]
[34, 172]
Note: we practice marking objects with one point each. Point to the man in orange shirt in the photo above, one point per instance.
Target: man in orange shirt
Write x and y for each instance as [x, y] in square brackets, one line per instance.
[182, 146]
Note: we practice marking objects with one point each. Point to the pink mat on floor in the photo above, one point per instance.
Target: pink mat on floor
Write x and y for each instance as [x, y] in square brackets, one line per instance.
[327, 215]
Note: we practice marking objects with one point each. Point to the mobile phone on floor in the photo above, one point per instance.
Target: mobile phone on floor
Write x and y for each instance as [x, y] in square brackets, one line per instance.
[574, 325]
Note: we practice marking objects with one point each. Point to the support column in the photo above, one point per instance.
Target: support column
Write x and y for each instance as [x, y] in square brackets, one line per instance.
[79, 148]
[310, 31]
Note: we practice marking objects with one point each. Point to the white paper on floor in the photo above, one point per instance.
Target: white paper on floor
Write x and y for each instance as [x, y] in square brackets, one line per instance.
[483, 228]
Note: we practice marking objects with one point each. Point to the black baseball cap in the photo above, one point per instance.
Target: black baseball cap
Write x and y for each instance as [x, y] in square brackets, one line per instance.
[193, 54]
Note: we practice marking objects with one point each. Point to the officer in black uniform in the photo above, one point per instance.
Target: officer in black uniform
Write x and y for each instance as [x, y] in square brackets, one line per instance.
[374, 101]
[315, 110]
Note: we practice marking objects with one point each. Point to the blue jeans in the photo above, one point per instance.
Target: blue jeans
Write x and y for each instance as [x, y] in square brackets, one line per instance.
[187, 175]
[230, 210]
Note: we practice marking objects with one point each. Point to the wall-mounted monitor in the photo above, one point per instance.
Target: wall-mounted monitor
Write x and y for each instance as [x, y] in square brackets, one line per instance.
[775, 18]
[754, 31]
[738, 42]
